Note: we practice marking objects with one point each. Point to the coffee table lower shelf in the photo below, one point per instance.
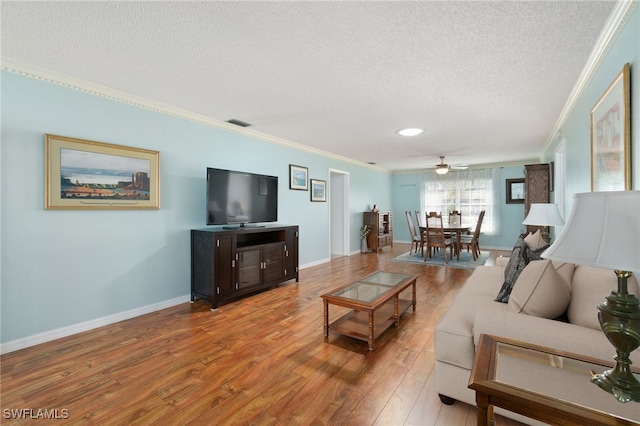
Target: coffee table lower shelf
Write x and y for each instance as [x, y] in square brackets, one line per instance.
[356, 323]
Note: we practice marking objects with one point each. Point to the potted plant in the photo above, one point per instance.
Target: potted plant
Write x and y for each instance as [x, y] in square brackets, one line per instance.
[364, 231]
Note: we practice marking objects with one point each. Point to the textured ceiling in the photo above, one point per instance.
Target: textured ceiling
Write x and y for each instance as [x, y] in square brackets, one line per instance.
[487, 80]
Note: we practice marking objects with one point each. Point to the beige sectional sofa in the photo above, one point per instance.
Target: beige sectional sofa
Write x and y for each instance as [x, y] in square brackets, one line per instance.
[550, 304]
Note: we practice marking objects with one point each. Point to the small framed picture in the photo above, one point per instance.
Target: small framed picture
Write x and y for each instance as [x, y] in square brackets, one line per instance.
[515, 191]
[318, 190]
[298, 177]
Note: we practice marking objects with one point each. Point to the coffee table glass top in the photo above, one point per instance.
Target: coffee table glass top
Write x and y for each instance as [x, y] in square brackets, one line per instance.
[385, 278]
[559, 377]
[371, 287]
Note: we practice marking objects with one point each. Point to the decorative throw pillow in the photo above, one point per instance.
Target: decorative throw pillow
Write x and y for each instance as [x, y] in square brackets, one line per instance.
[540, 291]
[535, 241]
[536, 254]
[565, 270]
[520, 257]
[515, 253]
[516, 264]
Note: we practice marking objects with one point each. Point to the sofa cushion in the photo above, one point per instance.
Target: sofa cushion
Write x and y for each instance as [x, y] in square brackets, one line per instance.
[540, 291]
[535, 241]
[520, 257]
[454, 332]
[589, 287]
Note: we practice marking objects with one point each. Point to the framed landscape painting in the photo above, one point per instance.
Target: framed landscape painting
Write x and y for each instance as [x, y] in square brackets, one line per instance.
[81, 174]
[611, 136]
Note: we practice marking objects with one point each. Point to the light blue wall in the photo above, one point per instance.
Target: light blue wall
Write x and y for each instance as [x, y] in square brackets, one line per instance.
[60, 268]
[406, 196]
[576, 129]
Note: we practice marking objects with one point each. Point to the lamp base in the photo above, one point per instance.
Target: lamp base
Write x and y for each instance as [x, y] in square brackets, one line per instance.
[619, 318]
[617, 386]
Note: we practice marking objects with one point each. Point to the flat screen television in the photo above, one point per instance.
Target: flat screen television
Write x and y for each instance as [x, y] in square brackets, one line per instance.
[239, 198]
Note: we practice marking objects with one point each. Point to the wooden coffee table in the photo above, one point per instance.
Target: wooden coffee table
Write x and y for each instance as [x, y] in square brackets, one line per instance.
[544, 384]
[373, 310]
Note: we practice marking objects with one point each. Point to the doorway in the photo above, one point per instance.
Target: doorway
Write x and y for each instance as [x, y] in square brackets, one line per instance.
[339, 213]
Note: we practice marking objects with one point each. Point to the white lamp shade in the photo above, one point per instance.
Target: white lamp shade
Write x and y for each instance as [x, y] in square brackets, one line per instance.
[602, 231]
[543, 214]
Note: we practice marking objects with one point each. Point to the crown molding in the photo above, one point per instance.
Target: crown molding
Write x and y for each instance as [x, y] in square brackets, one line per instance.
[616, 21]
[38, 73]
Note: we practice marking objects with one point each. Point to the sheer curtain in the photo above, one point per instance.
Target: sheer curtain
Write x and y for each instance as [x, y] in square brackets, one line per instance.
[468, 191]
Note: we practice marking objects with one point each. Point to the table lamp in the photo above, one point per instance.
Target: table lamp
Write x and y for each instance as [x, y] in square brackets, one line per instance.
[543, 214]
[604, 231]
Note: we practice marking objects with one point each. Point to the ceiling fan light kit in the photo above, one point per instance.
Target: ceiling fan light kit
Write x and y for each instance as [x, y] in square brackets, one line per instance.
[442, 169]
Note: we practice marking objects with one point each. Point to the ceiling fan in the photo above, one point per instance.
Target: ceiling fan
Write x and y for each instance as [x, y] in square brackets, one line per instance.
[443, 168]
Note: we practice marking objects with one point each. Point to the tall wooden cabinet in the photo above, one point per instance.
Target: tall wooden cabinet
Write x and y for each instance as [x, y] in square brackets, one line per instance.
[381, 225]
[536, 183]
[229, 263]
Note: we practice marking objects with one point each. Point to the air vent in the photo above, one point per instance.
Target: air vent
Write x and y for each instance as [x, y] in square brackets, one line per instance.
[238, 123]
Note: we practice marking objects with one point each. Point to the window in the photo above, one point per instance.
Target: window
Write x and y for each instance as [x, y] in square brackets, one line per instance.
[468, 191]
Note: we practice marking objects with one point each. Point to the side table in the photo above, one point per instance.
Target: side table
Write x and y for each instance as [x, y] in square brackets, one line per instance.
[544, 384]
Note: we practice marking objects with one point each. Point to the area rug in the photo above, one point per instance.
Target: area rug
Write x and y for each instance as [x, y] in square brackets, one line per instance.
[466, 259]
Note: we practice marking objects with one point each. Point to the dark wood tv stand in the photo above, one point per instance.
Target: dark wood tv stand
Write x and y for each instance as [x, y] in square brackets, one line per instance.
[230, 263]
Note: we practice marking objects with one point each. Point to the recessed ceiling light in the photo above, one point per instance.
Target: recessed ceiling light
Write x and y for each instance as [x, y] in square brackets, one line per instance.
[410, 132]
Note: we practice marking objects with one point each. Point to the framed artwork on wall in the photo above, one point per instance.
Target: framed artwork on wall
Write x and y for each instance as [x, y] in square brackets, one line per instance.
[298, 177]
[82, 174]
[318, 190]
[611, 136]
[515, 191]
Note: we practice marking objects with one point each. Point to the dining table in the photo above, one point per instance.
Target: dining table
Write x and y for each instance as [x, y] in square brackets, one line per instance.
[456, 229]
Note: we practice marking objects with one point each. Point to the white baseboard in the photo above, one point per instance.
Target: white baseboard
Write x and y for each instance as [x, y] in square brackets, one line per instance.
[315, 263]
[48, 336]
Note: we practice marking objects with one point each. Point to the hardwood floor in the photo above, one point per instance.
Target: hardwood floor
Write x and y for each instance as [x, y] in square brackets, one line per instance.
[260, 360]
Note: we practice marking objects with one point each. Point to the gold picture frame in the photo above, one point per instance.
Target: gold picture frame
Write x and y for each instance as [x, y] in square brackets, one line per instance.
[82, 174]
[611, 136]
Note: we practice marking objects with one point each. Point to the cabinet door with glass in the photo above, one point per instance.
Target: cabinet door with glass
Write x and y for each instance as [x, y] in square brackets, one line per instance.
[249, 267]
[273, 262]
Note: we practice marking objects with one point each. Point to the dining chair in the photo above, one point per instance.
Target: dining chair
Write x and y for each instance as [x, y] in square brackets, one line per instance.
[435, 236]
[426, 236]
[416, 239]
[455, 217]
[472, 242]
[418, 218]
